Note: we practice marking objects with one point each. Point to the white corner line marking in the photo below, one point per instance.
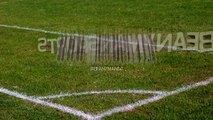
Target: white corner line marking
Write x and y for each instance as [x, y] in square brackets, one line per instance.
[49, 104]
[108, 112]
[102, 92]
[152, 99]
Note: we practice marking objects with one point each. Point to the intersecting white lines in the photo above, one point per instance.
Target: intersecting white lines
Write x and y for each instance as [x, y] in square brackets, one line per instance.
[158, 96]
[102, 92]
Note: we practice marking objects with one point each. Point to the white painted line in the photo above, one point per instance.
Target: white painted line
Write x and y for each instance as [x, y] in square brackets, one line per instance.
[49, 104]
[102, 92]
[32, 29]
[152, 99]
[41, 30]
[87, 36]
[108, 112]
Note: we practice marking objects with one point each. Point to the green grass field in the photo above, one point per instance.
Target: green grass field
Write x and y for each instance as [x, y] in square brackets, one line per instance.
[26, 70]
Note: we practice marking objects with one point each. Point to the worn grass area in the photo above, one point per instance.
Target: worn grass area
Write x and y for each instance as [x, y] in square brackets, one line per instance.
[99, 103]
[24, 69]
[194, 105]
[14, 109]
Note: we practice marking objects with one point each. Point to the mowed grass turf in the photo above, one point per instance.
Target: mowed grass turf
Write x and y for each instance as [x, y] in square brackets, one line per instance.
[24, 69]
[156, 15]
